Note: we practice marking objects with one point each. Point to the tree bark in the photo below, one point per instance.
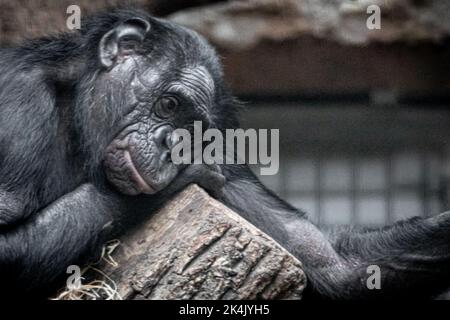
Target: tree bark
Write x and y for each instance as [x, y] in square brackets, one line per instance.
[196, 248]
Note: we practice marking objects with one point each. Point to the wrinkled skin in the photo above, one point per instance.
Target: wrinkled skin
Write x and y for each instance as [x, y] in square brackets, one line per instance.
[86, 128]
[138, 160]
[160, 96]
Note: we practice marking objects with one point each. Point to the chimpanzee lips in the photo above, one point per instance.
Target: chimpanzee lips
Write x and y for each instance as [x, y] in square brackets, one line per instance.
[142, 185]
[122, 171]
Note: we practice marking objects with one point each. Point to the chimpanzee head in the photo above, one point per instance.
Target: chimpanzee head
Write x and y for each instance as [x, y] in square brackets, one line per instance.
[149, 78]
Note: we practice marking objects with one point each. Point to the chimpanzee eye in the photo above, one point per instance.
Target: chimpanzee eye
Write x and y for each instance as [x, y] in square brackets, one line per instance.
[166, 106]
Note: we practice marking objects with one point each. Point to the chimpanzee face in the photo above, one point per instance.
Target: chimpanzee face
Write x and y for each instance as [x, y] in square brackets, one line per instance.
[154, 80]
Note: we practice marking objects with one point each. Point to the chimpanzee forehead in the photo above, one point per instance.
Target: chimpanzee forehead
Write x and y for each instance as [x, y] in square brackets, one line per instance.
[182, 59]
[181, 46]
[194, 81]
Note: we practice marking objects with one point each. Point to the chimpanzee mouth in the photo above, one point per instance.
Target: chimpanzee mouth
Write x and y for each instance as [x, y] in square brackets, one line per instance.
[141, 184]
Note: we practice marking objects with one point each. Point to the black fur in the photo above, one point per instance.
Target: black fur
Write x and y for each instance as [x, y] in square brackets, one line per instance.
[50, 170]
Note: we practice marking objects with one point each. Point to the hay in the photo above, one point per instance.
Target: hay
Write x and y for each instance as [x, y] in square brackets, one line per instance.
[97, 289]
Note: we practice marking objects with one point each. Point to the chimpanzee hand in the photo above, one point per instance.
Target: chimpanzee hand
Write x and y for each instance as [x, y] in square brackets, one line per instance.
[206, 176]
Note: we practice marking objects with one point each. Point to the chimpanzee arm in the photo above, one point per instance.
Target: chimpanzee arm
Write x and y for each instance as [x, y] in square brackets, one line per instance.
[36, 253]
[11, 208]
[413, 256]
[410, 254]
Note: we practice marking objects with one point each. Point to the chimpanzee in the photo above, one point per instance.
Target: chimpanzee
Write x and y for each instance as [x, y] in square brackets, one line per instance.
[86, 128]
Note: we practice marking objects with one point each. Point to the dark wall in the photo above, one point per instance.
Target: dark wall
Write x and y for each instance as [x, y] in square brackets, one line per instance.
[31, 18]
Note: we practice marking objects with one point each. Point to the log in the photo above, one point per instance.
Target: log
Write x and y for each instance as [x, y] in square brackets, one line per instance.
[196, 248]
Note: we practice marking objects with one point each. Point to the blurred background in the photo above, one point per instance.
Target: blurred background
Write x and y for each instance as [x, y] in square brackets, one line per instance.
[364, 115]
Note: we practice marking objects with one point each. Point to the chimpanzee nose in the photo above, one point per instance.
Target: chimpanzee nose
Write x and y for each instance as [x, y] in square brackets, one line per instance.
[165, 139]
[173, 139]
[162, 137]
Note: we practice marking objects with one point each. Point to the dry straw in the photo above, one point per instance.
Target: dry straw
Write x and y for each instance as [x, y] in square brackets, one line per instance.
[98, 289]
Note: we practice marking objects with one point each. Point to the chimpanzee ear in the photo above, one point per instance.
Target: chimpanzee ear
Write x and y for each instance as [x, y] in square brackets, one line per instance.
[122, 40]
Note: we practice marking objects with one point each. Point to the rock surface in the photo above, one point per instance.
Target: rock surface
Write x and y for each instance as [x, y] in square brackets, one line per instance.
[243, 24]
